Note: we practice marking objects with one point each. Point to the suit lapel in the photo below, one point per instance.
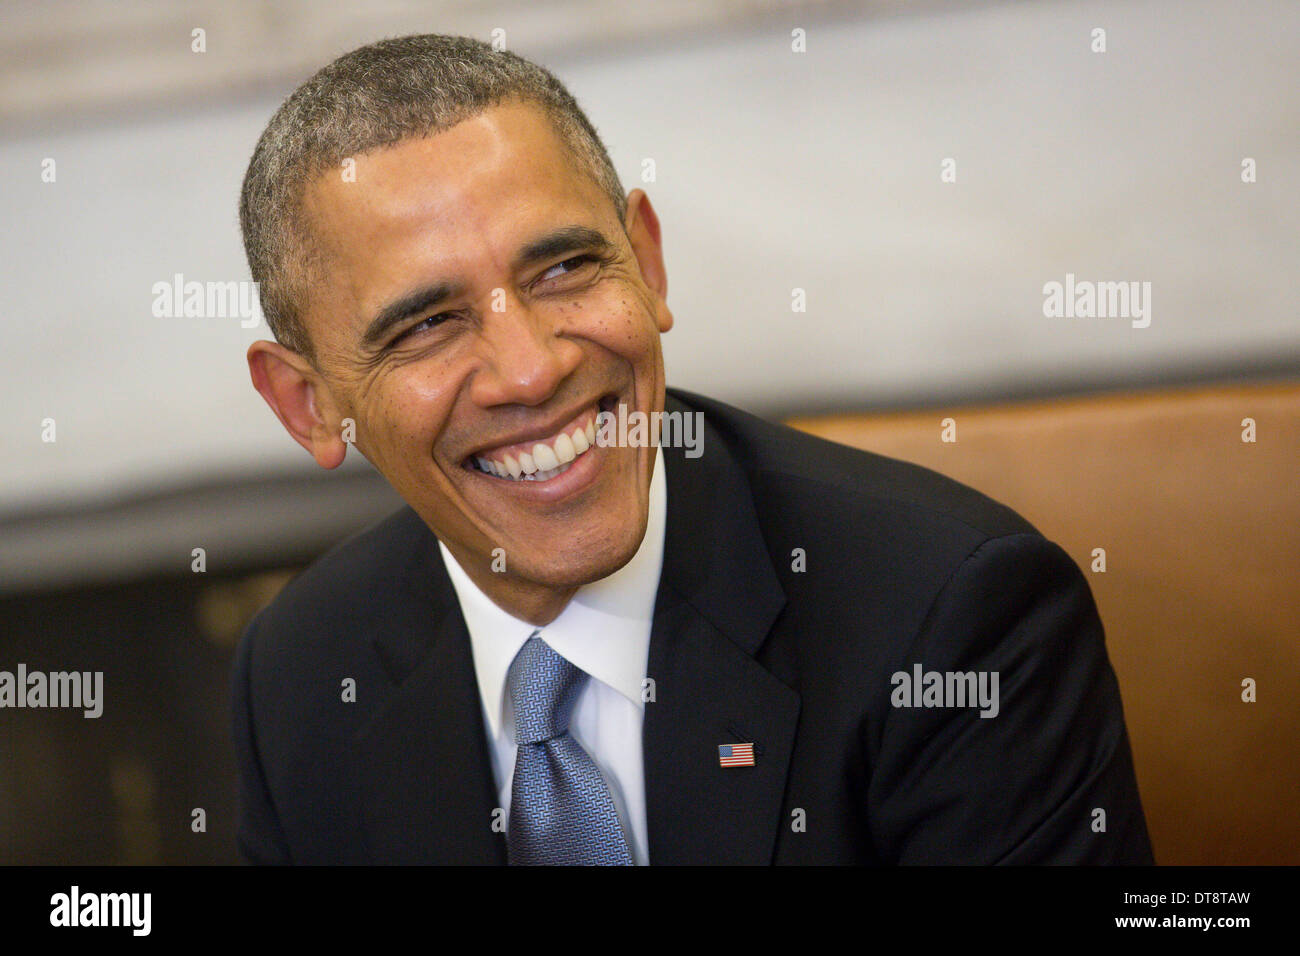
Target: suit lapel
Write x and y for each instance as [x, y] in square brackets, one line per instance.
[718, 597]
[422, 764]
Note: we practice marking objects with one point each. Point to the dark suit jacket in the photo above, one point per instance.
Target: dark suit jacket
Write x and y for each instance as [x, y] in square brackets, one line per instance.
[903, 566]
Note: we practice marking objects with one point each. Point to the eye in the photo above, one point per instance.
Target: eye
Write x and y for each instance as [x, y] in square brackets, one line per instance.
[422, 326]
[568, 265]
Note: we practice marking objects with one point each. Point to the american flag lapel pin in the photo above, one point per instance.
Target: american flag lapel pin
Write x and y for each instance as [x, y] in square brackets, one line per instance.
[735, 755]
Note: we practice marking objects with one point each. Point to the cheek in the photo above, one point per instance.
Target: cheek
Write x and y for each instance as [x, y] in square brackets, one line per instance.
[407, 414]
[623, 323]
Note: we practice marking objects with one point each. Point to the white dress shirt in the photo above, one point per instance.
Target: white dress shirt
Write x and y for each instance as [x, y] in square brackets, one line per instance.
[605, 630]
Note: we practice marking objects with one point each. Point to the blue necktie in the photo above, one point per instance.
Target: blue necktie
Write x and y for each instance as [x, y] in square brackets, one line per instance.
[560, 809]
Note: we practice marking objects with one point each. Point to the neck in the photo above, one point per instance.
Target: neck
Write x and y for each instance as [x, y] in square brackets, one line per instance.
[527, 600]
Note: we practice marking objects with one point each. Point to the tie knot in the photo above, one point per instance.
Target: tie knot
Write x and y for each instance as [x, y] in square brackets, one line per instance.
[543, 689]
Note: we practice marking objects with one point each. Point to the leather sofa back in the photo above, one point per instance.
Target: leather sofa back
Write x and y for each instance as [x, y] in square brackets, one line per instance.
[1201, 589]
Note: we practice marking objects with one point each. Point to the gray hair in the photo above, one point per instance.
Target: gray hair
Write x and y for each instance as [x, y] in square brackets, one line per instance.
[375, 96]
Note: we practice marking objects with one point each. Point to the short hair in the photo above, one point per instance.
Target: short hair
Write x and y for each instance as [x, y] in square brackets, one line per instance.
[376, 96]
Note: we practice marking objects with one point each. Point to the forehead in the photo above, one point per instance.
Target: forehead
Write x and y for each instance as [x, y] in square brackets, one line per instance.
[480, 184]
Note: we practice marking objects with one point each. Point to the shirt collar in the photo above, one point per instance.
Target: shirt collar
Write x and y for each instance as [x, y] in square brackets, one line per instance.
[604, 629]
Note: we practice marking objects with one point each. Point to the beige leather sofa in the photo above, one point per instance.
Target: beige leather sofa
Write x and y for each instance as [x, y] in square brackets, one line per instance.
[1201, 587]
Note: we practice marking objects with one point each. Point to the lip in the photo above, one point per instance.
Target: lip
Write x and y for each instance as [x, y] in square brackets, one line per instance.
[580, 475]
[523, 441]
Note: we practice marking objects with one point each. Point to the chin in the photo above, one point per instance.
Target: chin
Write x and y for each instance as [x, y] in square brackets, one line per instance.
[580, 564]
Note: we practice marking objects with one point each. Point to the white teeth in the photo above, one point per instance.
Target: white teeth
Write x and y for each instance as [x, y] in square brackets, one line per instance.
[549, 473]
[564, 449]
[538, 474]
[544, 461]
[545, 457]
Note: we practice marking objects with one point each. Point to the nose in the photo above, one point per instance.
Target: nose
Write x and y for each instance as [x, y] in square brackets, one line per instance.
[522, 357]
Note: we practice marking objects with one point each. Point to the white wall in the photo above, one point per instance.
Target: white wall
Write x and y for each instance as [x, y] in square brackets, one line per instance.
[775, 170]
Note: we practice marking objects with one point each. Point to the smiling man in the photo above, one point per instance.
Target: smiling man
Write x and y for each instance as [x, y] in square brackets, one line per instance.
[574, 650]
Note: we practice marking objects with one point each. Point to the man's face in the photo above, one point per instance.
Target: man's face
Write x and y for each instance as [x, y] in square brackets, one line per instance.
[482, 299]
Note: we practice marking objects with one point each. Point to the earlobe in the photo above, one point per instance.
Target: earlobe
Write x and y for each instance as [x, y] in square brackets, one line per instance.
[664, 320]
[289, 386]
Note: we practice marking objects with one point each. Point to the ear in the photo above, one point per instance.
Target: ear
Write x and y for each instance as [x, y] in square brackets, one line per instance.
[642, 227]
[292, 387]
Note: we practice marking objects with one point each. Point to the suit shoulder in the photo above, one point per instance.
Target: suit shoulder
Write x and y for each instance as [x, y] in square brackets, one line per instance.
[337, 589]
[804, 473]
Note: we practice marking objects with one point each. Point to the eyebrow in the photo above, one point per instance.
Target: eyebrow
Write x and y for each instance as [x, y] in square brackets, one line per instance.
[426, 298]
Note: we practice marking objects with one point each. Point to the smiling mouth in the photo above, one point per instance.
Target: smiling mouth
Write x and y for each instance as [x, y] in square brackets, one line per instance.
[546, 457]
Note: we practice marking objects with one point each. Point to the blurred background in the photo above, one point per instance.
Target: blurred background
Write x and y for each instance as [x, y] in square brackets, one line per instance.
[772, 169]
